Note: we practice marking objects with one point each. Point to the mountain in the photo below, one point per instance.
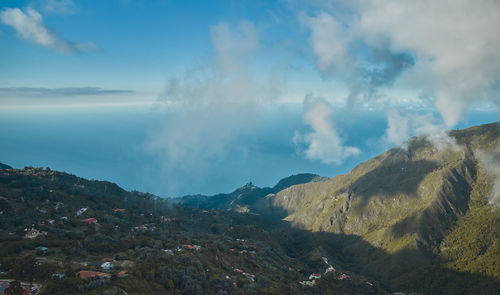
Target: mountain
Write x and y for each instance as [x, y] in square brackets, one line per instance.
[246, 198]
[428, 197]
[4, 166]
[297, 179]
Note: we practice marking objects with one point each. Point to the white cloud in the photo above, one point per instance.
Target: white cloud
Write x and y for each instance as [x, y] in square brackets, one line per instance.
[402, 125]
[398, 129]
[57, 6]
[491, 162]
[323, 143]
[211, 105]
[329, 41]
[455, 45]
[435, 132]
[29, 26]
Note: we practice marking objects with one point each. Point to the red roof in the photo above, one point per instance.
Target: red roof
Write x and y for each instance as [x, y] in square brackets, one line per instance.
[90, 220]
[189, 246]
[85, 274]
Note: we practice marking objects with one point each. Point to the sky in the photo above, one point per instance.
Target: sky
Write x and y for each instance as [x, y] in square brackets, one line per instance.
[177, 97]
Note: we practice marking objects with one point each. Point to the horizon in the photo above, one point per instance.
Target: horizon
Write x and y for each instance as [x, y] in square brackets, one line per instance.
[179, 98]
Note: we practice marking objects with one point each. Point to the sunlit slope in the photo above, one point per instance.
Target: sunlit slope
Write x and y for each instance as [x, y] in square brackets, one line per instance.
[407, 197]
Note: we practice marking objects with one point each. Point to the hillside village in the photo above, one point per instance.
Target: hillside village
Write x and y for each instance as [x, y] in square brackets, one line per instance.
[62, 234]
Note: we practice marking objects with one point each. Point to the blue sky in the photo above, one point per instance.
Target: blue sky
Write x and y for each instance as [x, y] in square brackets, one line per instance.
[203, 96]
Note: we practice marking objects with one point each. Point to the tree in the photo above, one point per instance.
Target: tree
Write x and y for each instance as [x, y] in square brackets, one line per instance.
[14, 288]
[25, 268]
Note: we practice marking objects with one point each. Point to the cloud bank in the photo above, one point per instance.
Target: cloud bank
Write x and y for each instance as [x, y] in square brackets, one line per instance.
[29, 26]
[323, 142]
[446, 49]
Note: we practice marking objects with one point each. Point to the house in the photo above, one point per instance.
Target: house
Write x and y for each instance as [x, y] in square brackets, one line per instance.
[189, 246]
[90, 220]
[107, 265]
[249, 276]
[107, 259]
[123, 273]
[308, 283]
[119, 210]
[3, 286]
[33, 233]
[325, 260]
[329, 269]
[196, 247]
[344, 277]
[169, 252]
[315, 276]
[42, 248]
[58, 275]
[85, 275]
[81, 211]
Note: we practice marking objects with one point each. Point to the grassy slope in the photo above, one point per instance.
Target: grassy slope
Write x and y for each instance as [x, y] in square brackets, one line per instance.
[400, 199]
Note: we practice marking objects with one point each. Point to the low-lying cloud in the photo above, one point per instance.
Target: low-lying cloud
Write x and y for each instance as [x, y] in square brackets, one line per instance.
[491, 162]
[40, 92]
[211, 105]
[29, 26]
[401, 125]
[323, 143]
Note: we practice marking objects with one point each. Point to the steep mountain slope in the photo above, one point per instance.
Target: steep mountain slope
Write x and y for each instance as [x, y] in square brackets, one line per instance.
[408, 198]
[247, 197]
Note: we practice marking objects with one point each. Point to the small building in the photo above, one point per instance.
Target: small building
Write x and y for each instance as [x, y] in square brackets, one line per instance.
[81, 211]
[329, 269]
[58, 275]
[85, 275]
[90, 220]
[33, 233]
[107, 265]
